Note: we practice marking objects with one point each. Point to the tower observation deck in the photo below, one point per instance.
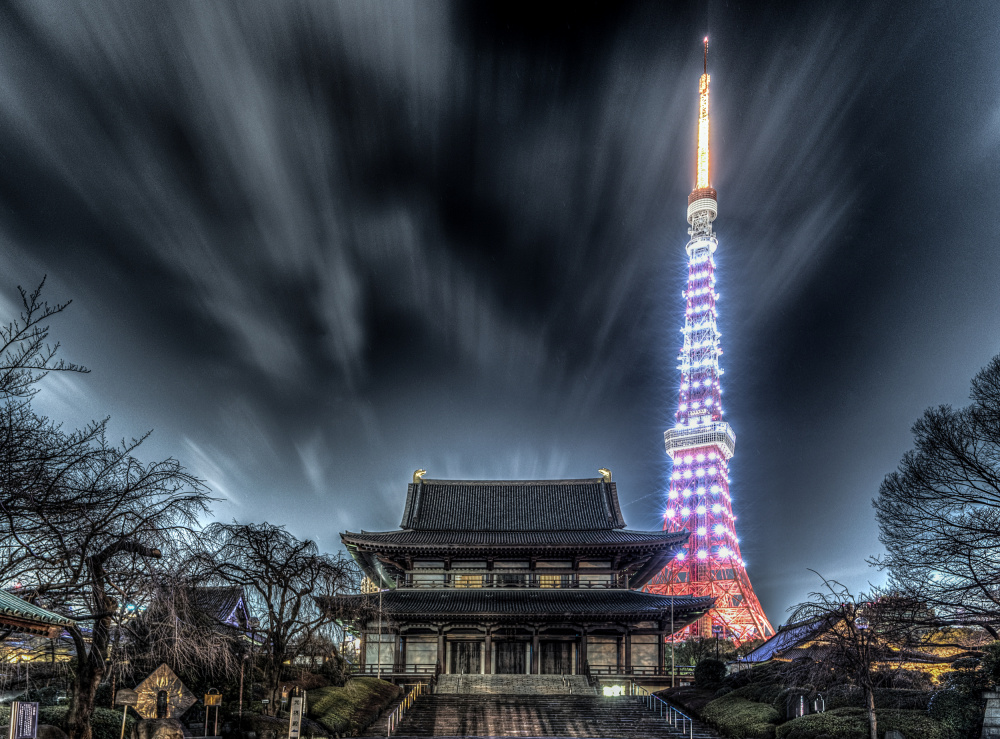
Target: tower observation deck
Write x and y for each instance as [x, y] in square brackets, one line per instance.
[701, 444]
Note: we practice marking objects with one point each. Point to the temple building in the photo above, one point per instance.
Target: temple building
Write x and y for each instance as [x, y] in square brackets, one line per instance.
[514, 577]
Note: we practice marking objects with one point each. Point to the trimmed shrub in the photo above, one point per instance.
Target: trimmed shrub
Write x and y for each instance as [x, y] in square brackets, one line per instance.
[741, 718]
[353, 707]
[767, 673]
[709, 673]
[956, 710]
[105, 723]
[760, 692]
[852, 723]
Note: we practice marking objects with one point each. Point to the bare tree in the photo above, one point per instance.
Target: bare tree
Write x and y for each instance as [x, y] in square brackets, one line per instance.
[939, 513]
[858, 636]
[181, 627]
[281, 576]
[80, 517]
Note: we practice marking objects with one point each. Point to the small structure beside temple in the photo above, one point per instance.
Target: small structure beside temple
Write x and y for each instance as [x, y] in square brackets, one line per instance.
[514, 577]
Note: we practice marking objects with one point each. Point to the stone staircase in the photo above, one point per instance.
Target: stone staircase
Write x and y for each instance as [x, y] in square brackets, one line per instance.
[547, 715]
[514, 685]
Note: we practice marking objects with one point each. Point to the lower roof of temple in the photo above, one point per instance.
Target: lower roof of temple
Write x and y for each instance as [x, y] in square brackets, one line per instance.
[518, 604]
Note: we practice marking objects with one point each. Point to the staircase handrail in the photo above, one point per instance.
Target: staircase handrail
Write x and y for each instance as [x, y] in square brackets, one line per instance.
[397, 714]
[667, 712]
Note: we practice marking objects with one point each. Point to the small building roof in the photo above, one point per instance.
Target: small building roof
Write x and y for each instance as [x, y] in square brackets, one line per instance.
[512, 505]
[788, 637]
[28, 618]
[549, 604]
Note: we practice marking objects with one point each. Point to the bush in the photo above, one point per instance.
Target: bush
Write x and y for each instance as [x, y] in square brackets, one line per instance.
[760, 692]
[738, 717]
[709, 673]
[772, 672]
[105, 723]
[957, 711]
[353, 707]
[852, 723]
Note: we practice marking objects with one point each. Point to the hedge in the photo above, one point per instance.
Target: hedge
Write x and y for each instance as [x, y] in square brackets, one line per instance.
[740, 718]
[104, 723]
[353, 707]
[852, 723]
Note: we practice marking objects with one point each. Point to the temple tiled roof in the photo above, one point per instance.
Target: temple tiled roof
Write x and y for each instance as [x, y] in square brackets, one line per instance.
[29, 618]
[514, 538]
[512, 505]
[549, 603]
[787, 638]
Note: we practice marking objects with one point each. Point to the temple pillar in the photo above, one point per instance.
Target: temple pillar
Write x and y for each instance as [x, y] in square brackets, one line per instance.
[628, 651]
[488, 652]
[534, 652]
[442, 657]
[583, 650]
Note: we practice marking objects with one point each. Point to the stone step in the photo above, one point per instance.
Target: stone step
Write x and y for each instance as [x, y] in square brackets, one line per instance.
[591, 717]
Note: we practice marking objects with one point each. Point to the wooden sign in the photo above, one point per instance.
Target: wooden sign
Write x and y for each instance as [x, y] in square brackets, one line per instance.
[126, 697]
[213, 699]
[23, 720]
[295, 711]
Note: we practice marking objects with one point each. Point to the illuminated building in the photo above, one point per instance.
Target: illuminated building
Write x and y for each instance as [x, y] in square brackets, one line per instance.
[501, 577]
[701, 443]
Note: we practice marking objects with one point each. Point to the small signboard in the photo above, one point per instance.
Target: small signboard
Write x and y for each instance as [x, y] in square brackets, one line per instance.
[23, 720]
[126, 697]
[295, 715]
[213, 699]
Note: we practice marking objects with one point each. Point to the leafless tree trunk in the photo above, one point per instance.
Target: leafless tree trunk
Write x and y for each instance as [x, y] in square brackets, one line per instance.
[281, 576]
[79, 517]
[857, 635]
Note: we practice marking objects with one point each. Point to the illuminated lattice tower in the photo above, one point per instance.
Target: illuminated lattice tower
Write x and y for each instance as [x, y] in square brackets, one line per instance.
[701, 443]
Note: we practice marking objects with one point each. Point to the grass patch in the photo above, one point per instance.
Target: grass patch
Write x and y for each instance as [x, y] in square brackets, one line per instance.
[738, 717]
[852, 723]
[350, 709]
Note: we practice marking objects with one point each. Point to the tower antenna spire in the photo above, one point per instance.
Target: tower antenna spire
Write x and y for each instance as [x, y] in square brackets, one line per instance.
[706, 55]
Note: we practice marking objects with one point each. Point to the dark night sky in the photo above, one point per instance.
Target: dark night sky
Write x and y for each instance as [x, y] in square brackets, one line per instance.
[315, 246]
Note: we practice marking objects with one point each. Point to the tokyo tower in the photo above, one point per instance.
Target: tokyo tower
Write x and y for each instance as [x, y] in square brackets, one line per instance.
[701, 443]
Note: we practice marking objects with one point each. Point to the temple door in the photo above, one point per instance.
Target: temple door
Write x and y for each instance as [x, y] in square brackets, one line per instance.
[510, 658]
[557, 658]
[465, 657]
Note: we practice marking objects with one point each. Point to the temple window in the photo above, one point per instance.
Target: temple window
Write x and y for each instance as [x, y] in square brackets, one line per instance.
[467, 581]
[427, 580]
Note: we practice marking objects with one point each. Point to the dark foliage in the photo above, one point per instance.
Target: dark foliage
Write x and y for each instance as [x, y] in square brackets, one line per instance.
[709, 673]
[939, 512]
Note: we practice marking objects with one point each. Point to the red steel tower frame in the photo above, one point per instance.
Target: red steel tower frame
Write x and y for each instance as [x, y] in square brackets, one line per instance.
[701, 443]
